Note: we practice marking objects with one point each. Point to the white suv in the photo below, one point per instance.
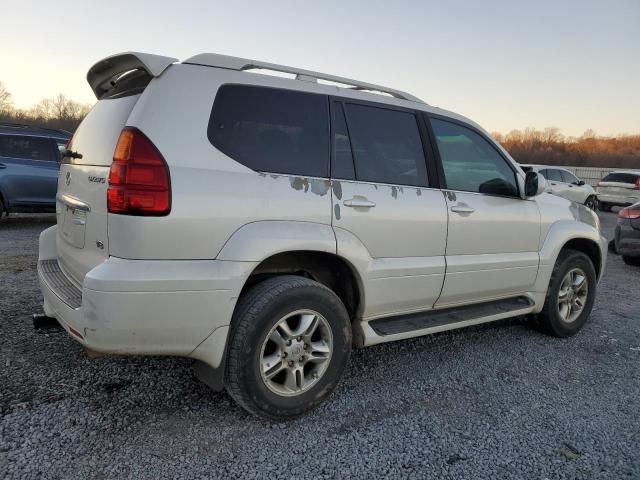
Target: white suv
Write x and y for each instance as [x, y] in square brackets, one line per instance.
[264, 225]
[563, 183]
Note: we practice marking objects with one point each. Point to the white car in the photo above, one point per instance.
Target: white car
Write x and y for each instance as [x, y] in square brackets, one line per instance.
[563, 183]
[619, 188]
[263, 226]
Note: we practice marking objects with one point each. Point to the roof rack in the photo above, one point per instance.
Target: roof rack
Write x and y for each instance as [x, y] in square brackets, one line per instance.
[241, 64]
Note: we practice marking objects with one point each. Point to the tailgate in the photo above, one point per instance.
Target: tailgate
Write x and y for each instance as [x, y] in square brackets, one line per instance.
[81, 202]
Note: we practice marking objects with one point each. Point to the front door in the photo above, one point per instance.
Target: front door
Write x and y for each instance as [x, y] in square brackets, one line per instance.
[492, 245]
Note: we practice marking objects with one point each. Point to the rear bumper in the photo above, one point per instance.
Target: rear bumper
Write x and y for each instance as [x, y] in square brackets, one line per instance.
[147, 307]
[618, 200]
[627, 239]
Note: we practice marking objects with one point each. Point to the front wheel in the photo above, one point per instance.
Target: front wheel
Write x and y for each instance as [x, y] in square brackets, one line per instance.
[289, 344]
[570, 296]
[592, 203]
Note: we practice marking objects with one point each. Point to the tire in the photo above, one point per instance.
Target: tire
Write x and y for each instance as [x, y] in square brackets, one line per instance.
[633, 261]
[553, 319]
[604, 207]
[258, 317]
[592, 203]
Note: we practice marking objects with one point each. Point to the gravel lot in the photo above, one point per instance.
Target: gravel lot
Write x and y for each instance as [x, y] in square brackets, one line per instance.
[495, 401]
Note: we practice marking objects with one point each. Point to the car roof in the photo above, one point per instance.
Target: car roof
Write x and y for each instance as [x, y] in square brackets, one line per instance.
[7, 128]
[633, 172]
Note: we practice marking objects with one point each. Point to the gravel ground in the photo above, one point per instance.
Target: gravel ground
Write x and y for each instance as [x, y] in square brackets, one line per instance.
[494, 401]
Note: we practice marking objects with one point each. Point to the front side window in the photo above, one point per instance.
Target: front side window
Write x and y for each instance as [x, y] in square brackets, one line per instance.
[387, 147]
[29, 148]
[471, 163]
[272, 130]
[569, 177]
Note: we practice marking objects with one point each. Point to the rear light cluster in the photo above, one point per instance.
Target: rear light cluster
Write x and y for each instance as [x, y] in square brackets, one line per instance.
[637, 187]
[629, 212]
[139, 181]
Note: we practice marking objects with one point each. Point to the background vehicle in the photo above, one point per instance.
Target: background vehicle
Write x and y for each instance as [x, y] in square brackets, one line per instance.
[263, 225]
[29, 162]
[627, 234]
[565, 184]
[619, 189]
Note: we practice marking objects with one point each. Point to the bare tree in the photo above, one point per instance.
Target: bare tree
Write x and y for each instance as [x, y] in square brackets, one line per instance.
[6, 104]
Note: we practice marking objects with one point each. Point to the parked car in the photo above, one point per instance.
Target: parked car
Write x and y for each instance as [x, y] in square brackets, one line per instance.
[627, 234]
[263, 225]
[29, 161]
[619, 189]
[563, 183]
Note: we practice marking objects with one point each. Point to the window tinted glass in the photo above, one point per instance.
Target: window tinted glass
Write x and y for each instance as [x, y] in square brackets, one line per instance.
[621, 178]
[272, 130]
[568, 177]
[387, 147]
[342, 158]
[554, 175]
[31, 148]
[471, 163]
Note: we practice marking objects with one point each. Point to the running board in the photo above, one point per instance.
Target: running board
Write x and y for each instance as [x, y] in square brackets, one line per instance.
[446, 316]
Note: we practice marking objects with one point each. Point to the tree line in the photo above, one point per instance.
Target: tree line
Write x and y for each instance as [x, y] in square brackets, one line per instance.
[547, 146]
[57, 112]
[550, 147]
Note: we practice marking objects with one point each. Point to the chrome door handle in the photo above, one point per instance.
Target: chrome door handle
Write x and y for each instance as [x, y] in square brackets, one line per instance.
[462, 209]
[359, 203]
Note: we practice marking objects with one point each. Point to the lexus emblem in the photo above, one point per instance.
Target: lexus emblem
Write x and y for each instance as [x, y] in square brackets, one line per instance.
[68, 178]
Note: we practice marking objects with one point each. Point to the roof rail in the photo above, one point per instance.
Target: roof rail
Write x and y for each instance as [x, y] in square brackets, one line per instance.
[236, 63]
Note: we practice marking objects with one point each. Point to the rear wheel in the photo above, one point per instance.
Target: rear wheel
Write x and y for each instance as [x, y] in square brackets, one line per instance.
[570, 295]
[289, 345]
[591, 202]
[634, 261]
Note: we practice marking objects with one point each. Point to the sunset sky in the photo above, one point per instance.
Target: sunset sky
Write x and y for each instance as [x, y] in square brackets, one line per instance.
[505, 64]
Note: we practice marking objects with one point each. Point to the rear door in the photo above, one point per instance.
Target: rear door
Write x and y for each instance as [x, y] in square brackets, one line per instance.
[382, 200]
[82, 187]
[493, 235]
[28, 170]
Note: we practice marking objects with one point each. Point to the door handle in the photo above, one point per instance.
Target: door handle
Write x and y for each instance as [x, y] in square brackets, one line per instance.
[359, 203]
[2, 165]
[462, 209]
[554, 184]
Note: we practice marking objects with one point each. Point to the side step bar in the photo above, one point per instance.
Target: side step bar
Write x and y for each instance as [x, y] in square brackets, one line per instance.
[446, 316]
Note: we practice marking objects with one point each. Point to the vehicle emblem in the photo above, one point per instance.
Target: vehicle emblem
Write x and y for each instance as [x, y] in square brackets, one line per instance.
[68, 178]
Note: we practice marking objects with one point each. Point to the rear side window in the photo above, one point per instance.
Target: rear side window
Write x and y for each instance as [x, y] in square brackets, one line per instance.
[621, 178]
[272, 130]
[342, 157]
[569, 177]
[387, 146]
[29, 148]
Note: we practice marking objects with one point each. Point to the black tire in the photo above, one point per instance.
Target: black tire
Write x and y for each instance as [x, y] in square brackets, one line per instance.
[549, 318]
[604, 207]
[257, 312]
[592, 203]
[633, 261]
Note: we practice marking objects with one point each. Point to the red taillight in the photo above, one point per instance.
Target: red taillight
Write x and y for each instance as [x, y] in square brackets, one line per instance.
[629, 212]
[637, 187]
[139, 177]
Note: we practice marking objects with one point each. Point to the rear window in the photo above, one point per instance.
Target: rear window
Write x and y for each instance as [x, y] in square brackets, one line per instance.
[272, 130]
[29, 148]
[621, 178]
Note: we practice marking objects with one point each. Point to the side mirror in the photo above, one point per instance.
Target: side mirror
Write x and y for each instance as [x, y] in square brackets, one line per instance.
[534, 184]
[580, 183]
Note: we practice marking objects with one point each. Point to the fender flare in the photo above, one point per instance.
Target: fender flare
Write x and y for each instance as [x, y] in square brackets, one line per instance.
[256, 241]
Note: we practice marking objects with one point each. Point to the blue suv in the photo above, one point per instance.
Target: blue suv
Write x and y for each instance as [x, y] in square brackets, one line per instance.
[29, 161]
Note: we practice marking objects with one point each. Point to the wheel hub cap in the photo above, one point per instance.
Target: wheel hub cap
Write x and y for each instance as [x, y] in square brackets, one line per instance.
[572, 295]
[296, 353]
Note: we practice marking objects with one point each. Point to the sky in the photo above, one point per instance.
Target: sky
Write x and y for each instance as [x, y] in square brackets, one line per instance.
[508, 65]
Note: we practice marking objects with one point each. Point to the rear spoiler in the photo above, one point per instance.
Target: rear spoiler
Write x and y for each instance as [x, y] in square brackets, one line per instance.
[102, 75]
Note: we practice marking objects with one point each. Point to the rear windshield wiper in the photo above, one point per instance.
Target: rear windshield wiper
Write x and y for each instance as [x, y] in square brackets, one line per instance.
[71, 154]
